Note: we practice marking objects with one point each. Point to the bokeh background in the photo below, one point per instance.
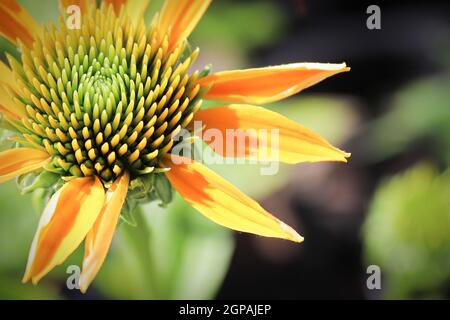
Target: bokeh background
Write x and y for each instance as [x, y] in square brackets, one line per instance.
[389, 206]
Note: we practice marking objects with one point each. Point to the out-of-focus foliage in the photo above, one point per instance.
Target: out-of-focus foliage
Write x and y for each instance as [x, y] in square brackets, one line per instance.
[42, 11]
[407, 233]
[240, 25]
[18, 221]
[420, 110]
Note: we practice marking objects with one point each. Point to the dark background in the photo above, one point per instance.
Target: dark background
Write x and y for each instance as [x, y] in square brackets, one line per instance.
[331, 263]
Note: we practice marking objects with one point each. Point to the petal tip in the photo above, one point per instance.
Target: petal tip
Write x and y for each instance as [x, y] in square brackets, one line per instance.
[342, 67]
[83, 284]
[346, 155]
[342, 156]
[35, 280]
[26, 278]
[291, 235]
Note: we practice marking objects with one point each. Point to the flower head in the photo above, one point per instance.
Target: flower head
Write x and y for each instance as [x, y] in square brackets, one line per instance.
[96, 111]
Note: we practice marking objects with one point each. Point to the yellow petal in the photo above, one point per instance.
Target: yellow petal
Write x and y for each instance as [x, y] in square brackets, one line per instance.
[8, 103]
[134, 8]
[98, 240]
[17, 23]
[222, 202]
[15, 162]
[67, 218]
[9, 115]
[265, 85]
[178, 18]
[260, 134]
[7, 76]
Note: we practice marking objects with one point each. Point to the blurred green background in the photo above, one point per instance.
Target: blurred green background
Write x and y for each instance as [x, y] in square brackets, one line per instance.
[390, 206]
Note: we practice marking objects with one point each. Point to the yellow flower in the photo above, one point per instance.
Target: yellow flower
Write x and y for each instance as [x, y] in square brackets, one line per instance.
[99, 107]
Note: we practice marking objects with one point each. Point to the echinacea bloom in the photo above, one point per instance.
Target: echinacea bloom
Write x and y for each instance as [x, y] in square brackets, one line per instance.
[98, 107]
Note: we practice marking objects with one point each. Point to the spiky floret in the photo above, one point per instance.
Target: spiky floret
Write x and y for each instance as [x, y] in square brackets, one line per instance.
[105, 98]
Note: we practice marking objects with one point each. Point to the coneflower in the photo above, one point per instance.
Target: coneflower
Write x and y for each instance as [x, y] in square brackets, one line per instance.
[95, 109]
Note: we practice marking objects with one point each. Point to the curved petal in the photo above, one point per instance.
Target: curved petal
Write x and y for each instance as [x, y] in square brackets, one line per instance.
[7, 102]
[13, 73]
[67, 218]
[15, 162]
[178, 18]
[223, 203]
[98, 240]
[260, 134]
[265, 85]
[17, 23]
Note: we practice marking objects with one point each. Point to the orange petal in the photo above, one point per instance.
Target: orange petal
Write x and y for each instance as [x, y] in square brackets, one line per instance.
[67, 218]
[178, 18]
[134, 8]
[17, 23]
[265, 85]
[15, 162]
[117, 5]
[260, 134]
[83, 4]
[222, 202]
[98, 240]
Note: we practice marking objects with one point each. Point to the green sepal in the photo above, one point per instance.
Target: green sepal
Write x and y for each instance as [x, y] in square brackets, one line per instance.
[151, 187]
[163, 189]
[54, 167]
[127, 215]
[160, 170]
[141, 186]
[145, 189]
[30, 182]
